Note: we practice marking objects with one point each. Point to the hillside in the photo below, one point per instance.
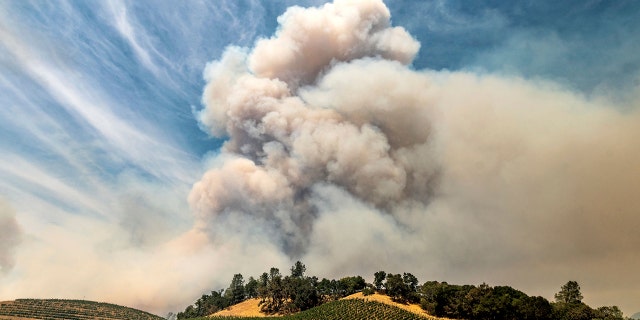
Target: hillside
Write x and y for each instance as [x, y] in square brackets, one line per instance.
[288, 294]
[414, 308]
[54, 309]
[353, 309]
[247, 308]
[250, 308]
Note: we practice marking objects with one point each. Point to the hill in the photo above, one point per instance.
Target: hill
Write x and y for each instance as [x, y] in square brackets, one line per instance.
[636, 315]
[247, 308]
[413, 308]
[54, 309]
[298, 292]
[250, 308]
[353, 309]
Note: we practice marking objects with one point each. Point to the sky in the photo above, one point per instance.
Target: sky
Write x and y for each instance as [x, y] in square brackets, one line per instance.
[151, 150]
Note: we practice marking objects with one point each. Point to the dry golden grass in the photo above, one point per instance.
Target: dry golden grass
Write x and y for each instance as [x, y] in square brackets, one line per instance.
[247, 308]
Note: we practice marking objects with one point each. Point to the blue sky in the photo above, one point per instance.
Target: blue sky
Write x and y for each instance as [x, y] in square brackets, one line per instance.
[100, 142]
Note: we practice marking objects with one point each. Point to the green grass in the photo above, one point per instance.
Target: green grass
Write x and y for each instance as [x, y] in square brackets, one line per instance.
[352, 309]
[58, 309]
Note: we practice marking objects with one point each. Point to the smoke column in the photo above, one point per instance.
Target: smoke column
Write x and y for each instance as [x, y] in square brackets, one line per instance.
[338, 152]
[280, 146]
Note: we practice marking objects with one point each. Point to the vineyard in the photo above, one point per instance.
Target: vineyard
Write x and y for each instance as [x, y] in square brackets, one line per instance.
[54, 309]
[354, 309]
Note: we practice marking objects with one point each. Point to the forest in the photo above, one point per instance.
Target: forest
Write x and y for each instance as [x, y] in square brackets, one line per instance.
[297, 292]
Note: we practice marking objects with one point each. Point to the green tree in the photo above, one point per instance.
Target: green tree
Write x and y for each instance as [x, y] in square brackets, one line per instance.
[608, 313]
[537, 308]
[301, 294]
[189, 312]
[251, 288]
[298, 269]
[206, 305]
[236, 291]
[572, 311]
[396, 288]
[271, 292]
[410, 280]
[378, 279]
[351, 285]
[569, 293]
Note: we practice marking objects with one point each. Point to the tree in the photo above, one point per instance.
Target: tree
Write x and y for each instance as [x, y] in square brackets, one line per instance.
[298, 270]
[378, 279]
[609, 313]
[410, 280]
[271, 291]
[396, 288]
[236, 292]
[325, 290]
[537, 308]
[301, 293]
[351, 285]
[206, 305]
[251, 288]
[569, 293]
[572, 311]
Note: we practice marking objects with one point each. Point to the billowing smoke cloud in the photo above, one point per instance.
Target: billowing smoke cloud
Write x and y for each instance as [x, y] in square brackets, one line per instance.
[340, 153]
[10, 236]
[282, 144]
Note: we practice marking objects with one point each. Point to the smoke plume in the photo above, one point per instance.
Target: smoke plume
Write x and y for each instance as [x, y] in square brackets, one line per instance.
[338, 152]
[10, 236]
[281, 145]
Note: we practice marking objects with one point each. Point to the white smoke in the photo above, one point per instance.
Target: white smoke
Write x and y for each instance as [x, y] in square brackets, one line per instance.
[282, 144]
[340, 153]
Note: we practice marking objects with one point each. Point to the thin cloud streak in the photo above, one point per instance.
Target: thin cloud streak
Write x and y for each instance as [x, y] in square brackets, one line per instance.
[129, 141]
[119, 11]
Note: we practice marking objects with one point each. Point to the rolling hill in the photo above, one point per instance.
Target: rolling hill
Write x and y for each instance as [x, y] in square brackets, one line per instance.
[355, 306]
[353, 309]
[54, 309]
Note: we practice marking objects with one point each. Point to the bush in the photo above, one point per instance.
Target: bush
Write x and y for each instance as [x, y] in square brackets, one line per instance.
[367, 291]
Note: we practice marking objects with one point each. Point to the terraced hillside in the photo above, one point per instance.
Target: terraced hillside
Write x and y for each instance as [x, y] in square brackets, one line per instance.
[353, 309]
[54, 309]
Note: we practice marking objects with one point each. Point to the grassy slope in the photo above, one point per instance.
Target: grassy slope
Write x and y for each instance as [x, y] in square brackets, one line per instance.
[353, 307]
[247, 308]
[55, 309]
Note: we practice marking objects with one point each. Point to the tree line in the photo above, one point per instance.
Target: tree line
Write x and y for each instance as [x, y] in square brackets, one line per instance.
[296, 292]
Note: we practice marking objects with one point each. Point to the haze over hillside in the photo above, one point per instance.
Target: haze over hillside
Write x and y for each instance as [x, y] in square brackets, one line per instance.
[151, 151]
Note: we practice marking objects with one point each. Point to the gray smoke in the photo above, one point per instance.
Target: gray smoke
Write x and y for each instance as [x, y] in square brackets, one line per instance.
[10, 236]
[280, 145]
[340, 153]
